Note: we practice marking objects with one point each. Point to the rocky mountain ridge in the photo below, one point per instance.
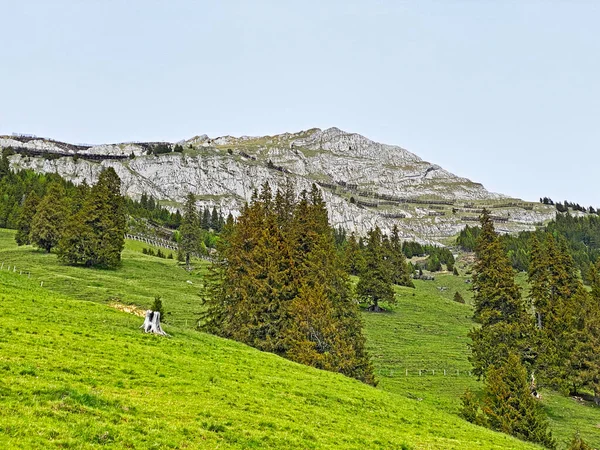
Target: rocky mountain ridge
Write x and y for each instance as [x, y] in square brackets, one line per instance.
[365, 183]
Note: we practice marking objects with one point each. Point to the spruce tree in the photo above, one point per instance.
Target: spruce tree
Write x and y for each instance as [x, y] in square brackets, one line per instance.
[47, 224]
[26, 217]
[505, 325]
[509, 406]
[190, 230]
[279, 286]
[401, 274]
[353, 256]
[375, 283]
[95, 236]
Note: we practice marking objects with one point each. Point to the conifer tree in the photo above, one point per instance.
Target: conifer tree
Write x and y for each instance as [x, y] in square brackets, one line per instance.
[26, 217]
[95, 236]
[190, 229]
[47, 225]
[205, 218]
[401, 274]
[505, 325]
[497, 297]
[214, 220]
[279, 286]
[509, 406]
[375, 283]
[353, 256]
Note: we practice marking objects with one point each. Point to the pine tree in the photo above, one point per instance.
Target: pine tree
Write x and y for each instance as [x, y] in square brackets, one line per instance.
[497, 297]
[505, 325]
[214, 219]
[401, 274]
[190, 230]
[375, 283]
[26, 217]
[509, 406]
[47, 225]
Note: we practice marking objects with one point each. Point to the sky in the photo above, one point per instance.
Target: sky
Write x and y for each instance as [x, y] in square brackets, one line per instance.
[506, 93]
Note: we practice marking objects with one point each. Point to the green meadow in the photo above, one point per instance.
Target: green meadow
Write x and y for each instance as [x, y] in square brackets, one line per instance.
[78, 373]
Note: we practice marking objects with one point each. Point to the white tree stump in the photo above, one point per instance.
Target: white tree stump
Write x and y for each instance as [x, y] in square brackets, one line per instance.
[152, 323]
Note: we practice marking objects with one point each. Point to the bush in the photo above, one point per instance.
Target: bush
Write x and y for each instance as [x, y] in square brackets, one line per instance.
[158, 306]
[458, 298]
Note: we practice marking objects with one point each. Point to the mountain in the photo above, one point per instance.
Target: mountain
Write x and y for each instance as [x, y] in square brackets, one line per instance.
[365, 183]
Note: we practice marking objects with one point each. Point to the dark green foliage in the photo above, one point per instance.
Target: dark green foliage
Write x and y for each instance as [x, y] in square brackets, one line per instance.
[25, 218]
[353, 256]
[159, 149]
[458, 298]
[471, 408]
[433, 264]
[509, 406]
[578, 444]
[467, 238]
[401, 273]
[157, 306]
[376, 277]
[455, 271]
[190, 230]
[95, 236]
[149, 208]
[581, 233]
[499, 308]
[47, 224]
[279, 286]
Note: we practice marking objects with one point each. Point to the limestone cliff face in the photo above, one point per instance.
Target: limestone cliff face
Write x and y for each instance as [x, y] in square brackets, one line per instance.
[365, 183]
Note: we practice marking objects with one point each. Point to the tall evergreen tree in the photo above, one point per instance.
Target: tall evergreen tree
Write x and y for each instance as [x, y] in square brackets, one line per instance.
[26, 217]
[508, 405]
[375, 283]
[190, 229]
[401, 274]
[47, 225]
[505, 325]
[280, 286]
[95, 236]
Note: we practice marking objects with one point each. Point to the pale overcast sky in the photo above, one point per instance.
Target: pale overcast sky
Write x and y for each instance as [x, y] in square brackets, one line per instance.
[503, 92]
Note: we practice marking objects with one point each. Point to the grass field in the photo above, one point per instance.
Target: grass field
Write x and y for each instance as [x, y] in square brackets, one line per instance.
[77, 374]
[137, 282]
[425, 331]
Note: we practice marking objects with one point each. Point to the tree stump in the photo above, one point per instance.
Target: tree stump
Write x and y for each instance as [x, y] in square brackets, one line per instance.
[152, 323]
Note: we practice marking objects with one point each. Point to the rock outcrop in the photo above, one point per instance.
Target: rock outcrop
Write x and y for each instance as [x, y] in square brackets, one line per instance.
[365, 183]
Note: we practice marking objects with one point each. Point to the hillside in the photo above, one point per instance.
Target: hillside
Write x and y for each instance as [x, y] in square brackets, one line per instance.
[80, 374]
[425, 332]
[365, 183]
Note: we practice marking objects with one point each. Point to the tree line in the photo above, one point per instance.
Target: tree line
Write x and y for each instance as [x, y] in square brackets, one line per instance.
[84, 225]
[551, 338]
[582, 236]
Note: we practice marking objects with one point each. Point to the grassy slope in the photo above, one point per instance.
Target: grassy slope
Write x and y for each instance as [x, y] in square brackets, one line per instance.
[425, 331]
[428, 332]
[140, 278]
[77, 374]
